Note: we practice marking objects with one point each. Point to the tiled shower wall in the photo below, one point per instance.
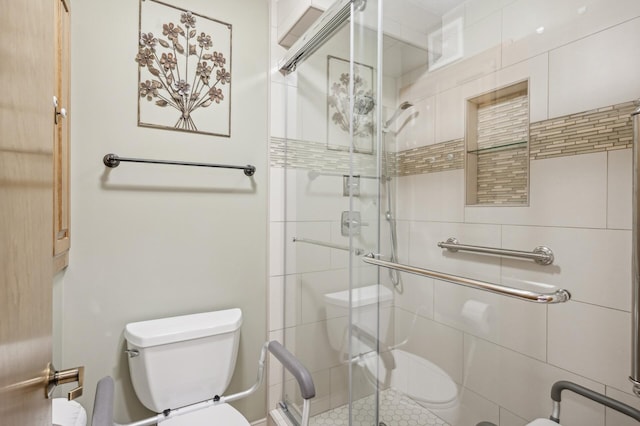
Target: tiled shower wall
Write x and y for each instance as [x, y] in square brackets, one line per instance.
[506, 354]
[502, 173]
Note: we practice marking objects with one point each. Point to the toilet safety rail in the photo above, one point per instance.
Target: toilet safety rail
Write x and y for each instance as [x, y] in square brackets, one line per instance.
[541, 255]
[557, 296]
[103, 405]
[558, 387]
[113, 161]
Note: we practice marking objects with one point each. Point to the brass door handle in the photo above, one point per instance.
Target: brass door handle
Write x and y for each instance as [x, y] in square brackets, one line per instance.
[66, 376]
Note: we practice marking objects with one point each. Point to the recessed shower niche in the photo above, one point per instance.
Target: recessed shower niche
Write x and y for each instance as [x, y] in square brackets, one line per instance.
[497, 147]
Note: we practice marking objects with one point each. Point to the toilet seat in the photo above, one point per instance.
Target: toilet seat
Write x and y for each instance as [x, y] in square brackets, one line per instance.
[216, 415]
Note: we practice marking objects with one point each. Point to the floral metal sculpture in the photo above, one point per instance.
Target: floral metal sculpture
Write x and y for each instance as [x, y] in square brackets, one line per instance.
[338, 100]
[185, 72]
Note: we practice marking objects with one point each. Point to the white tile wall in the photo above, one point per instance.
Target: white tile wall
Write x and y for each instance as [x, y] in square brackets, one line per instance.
[471, 409]
[521, 384]
[596, 71]
[431, 196]
[563, 22]
[304, 257]
[440, 344]
[416, 295]
[588, 262]
[511, 323]
[476, 10]
[507, 418]
[277, 200]
[619, 189]
[314, 286]
[577, 329]
[276, 248]
[483, 34]
[565, 191]
[310, 343]
[422, 83]
[418, 129]
[424, 251]
[614, 418]
[450, 113]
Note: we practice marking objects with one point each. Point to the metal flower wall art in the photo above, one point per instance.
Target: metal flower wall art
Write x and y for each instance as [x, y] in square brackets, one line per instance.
[184, 63]
[339, 107]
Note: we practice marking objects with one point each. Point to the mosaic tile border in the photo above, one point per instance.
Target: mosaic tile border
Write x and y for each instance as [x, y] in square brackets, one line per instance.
[603, 129]
[431, 158]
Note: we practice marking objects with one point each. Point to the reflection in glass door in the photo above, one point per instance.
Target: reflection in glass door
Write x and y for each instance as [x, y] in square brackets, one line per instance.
[497, 124]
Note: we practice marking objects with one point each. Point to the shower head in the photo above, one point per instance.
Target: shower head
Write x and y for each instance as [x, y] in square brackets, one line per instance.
[403, 106]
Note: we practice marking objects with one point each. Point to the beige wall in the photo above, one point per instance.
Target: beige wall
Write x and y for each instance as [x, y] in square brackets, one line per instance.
[152, 241]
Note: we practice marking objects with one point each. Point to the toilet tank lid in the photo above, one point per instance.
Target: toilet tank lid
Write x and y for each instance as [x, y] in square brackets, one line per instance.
[185, 327]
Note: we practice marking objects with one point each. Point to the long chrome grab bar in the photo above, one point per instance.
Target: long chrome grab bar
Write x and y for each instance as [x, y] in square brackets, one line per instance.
[112, 160]
[557, 296]
[357, 251]
[635, 258]
[541, 255]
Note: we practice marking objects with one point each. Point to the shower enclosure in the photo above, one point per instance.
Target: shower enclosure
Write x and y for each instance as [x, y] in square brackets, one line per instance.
[451, 210]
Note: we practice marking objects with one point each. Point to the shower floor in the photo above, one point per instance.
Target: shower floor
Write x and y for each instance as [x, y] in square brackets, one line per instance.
[396, 409]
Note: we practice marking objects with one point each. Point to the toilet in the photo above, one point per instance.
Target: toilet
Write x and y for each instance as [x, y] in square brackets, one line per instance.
[179, 361]
[414, 376]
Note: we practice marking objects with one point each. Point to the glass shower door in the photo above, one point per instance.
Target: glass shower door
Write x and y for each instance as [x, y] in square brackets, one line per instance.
[330, 156]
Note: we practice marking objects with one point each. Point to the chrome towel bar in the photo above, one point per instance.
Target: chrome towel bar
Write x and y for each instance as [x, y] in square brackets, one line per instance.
[357, 251]
[541, 255]
[112, 160]
[557, 296]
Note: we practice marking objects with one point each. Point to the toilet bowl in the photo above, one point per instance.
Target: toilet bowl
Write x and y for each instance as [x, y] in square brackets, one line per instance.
[543, 422]
[180, 361]
[418, 378]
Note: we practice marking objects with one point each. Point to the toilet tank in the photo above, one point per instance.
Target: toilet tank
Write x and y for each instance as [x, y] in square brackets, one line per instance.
[371, 307]
[183, 360]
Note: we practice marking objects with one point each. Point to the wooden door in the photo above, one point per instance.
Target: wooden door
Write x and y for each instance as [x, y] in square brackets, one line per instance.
[26, 200]
[61, 140]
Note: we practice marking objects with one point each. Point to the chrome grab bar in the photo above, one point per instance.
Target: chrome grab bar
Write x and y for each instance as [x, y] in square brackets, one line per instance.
[541, 255]
[635, 258]
[557, 296]
[357, 251]
[113, 161]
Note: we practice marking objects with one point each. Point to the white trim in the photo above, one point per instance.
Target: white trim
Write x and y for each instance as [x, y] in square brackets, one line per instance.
[261, 422]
